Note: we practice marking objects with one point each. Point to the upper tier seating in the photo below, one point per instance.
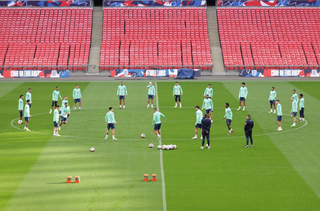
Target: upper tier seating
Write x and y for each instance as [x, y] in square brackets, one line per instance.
[155, 38]
[282, 38]
[36, 38]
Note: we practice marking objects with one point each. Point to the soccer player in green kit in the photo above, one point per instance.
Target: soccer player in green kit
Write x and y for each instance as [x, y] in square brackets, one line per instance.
[208, 105]
[301, 108]
[27, 115]
[20, 109]
[228, 115]
[64, 113]
[208, 91]
[272, 99]
[111, 121]
[64, 101]
[294, 95]
[279, 115]
[157, 122]
[151, 93]
[243, 93]
[56, 120]
[199, 117]
[29, 97]
[294, 111]
[55, 95]
[77, 97]
[122, 93]
[177, 92]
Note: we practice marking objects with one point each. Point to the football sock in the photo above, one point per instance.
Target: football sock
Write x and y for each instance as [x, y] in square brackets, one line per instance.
[113, 137]
[176, 104]
[120, 106]
[124, 106]
[244, 107]
[294, 124]
[79, 108]
[75, 108]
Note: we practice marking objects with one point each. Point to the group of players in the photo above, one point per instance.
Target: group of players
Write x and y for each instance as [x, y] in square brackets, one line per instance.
[60, 113]
[64, 111]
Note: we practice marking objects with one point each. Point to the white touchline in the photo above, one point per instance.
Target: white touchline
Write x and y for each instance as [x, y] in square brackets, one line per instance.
[161, 163]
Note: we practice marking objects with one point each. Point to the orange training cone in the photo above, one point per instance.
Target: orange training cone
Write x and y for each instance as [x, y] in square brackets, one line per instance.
[146, 178]
[77, 179]
[154, 177]
[69, 179]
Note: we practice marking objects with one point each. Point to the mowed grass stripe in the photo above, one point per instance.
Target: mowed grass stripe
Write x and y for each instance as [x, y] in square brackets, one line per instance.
[227, 176]
[111, 177]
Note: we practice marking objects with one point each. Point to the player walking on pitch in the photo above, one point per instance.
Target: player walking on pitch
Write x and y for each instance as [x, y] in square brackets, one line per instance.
[272, 99]
[248, 126]
[151, 94]
[208, 91]
[199, 117]
[279, 115]
[111, 121]
[205, 125]
[27, 115]
[228, 115]
[64, 113]
[294, 111]
[157, 122]
[20, 109]
[208, 105]
[301, 108]
[56, 120]
[177, 93]
[77, 97]
[294, 95]
[122, 93]
[243, 93]
[55, 95]
[29, 97]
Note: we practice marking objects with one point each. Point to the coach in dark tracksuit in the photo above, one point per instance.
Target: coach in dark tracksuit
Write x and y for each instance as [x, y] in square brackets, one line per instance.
[205, 125]
[248, 130]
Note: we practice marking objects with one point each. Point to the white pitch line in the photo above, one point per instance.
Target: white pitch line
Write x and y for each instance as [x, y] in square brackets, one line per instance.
[161, 163]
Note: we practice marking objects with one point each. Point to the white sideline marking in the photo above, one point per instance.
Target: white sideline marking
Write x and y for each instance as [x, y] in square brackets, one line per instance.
[161, 164]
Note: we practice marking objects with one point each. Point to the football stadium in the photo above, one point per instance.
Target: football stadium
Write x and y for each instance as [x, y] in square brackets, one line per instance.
[160, 105]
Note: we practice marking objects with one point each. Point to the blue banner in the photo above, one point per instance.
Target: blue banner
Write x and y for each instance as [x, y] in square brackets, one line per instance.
[279, 73]
[154, 3]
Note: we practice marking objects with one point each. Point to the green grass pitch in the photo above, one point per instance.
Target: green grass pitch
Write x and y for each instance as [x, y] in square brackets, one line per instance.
[281, 171]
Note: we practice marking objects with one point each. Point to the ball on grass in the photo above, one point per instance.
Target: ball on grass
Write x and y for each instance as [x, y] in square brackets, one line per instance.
[151, 145]
[159, 147]
[92, 149]
[143, 135]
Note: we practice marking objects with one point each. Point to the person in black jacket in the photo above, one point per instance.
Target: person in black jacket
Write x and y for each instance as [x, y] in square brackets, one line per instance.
[205, 125]
[248, 130]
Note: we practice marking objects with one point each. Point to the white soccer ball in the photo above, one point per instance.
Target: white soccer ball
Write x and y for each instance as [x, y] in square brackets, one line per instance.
[159, 147]
[164, 146]
[92, 149]
[167, 147]
[171, 146]
[143, 135]
[151, 145]
[174, 146]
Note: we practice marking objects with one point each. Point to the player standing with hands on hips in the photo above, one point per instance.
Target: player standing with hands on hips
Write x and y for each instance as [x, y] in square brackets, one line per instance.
[272, 99]
[151, 93]
[294, 111]
[122, 93]
[55, 95]
[111, 121]
[243, 93]
[248, 126]
[77, 97]
[177, 92]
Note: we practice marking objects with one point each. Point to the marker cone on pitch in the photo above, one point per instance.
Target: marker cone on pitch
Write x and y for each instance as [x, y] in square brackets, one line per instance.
[77, 179]
[154, 177]
[146, 178]
[69, 179]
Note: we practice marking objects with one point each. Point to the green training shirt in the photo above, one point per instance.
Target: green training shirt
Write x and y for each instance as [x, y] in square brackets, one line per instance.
[55, 95]
[279, 110]
[76, 93]
[199, 116]
[228, 113]
[122, 90]
[294, 106]
[27, 110]
[208, 91]
[28, 97]
[156, 118]
[295, 97]
[110, 117]
[56, 115]
[65, 111]
[64, 102]
[273, 95]
[243, 92]
[177, 90]
[151, 90]
[20, 105]
[207, 103]
[301, 104]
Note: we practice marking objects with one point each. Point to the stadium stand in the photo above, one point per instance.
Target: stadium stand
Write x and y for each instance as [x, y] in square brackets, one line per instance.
[258, 38]
[170, 38]
[45, 37]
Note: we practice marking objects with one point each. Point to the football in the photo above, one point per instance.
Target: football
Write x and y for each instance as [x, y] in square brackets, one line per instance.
[151, 145]
[92, 149]
[143, 135]
[159, 147]
[174, 146]
[164, 146]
